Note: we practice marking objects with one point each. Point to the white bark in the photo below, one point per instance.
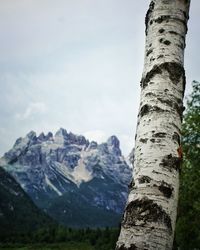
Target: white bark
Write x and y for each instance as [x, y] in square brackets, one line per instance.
[150, 213]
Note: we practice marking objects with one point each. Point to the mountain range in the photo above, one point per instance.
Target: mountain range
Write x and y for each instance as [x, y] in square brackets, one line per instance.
[77, 182]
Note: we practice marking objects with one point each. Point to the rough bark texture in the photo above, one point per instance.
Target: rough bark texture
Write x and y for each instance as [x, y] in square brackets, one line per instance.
[150, 214]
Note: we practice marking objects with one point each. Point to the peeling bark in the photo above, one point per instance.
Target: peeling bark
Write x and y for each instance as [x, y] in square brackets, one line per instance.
[150, 213]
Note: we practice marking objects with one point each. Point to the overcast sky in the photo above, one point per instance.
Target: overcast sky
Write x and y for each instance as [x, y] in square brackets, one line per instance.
[77, 64]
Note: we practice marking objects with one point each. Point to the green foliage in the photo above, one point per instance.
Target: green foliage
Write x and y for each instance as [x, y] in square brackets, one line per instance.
[188, 223]
[65, 238]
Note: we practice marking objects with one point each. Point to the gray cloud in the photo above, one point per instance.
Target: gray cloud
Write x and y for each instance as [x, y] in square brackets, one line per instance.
[76, 64]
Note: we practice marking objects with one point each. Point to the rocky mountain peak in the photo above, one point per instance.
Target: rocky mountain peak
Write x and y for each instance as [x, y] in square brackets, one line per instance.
[62, 137]
[61, 132]
[92, 145]
[50, 165]
[31, 135]
[114, 144]
[113, 141]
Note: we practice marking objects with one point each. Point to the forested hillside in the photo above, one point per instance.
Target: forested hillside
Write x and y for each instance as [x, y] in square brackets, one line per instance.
[18, 214]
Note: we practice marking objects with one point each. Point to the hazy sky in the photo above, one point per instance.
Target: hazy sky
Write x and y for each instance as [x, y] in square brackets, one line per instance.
[77, 64]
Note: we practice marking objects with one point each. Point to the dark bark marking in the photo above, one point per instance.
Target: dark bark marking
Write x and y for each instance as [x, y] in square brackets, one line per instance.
[178, 106]
[178, 100]
[144, 140]
[131, 185]
[150, 93]
[161, 30]
[181, 46]
[156, 140]
[162, 18]
[149, 52]
[173, 32]
[176, 137]
[135, 137]
[144, 179]
[185, 15]
[182, 37]
[167, 42]
[145, 109]
[160, 135]
[176, 127]
[148, 14]
[171, 162]
[147, 211]
[179, 109]
[156, 172]
[186, 1]
[175, 71]
[167, 17]
[165, 101]
[123, 247]
[166, 189]
[160, 56]
[155, 70]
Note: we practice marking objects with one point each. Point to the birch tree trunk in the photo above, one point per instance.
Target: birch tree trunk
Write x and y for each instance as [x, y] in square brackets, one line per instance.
[150, 213]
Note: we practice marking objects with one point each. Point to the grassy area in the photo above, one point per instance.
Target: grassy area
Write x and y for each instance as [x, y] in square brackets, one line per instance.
[54, 246]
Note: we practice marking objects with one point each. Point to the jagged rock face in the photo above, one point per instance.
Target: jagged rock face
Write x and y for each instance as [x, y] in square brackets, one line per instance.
[49, 166]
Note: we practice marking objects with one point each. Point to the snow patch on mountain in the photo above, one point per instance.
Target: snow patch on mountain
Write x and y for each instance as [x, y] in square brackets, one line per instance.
[80, 172]
[48, 182]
